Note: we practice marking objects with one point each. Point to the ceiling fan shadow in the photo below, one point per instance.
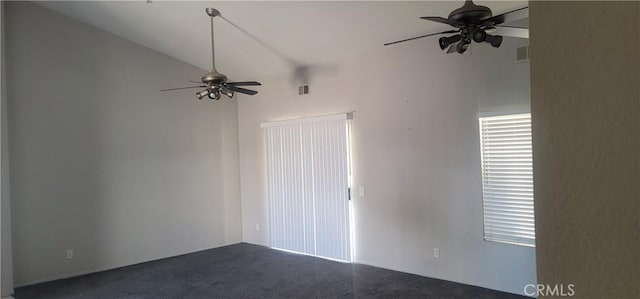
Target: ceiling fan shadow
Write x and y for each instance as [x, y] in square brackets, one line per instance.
[301, 73]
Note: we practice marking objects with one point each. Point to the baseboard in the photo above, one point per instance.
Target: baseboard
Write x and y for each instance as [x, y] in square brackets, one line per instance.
[70, 275]
[367, 263]
[106, 268]
[436, 277]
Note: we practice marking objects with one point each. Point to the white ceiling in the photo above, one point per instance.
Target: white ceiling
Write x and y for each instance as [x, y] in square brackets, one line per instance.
[283, 34]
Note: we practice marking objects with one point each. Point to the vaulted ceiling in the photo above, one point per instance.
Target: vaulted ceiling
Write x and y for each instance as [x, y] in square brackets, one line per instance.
[268, 37]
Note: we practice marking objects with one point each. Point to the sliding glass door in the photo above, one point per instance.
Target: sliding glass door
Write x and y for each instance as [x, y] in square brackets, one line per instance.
[308, 172]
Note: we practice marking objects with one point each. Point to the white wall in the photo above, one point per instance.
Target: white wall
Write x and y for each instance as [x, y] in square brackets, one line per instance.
[586, 126]
[415, 149]
[103, 163]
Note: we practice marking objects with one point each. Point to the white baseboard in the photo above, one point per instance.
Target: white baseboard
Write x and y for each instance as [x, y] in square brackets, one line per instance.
[107, 268]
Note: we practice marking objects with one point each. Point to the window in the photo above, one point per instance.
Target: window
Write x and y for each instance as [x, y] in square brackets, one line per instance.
[507, 179]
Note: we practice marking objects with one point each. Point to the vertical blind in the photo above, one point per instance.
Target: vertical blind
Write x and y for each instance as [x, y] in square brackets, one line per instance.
[308, 182]
[507, 179]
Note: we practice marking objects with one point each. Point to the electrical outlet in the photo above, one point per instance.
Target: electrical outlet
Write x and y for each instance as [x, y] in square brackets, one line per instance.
[69, 254]
[257, 227]
[436, 252]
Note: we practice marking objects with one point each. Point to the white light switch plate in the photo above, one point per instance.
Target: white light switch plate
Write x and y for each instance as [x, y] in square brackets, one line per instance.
[361, 191]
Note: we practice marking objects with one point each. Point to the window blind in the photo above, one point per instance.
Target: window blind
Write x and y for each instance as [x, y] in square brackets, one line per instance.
[507, 179]
[308, 181]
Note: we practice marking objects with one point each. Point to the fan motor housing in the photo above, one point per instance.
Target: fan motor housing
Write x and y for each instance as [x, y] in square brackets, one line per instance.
[215, 78]
[470, 13]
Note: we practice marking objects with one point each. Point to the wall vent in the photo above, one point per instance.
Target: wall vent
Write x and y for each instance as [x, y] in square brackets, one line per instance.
[303, 89]
[522, 54]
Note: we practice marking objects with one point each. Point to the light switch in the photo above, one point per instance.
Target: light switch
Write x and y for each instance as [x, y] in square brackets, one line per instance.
[361, 191]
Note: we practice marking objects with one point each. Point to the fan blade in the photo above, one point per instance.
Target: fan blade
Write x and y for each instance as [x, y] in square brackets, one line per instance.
[242, 90]
[198, 82]
[451, 49]
[443, 21]
[245, 83]
[170, 89]
[512, 31]
[510, 16]
[426, 35]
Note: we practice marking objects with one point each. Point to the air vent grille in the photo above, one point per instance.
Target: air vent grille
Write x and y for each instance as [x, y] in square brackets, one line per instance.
[303, 89]
[522, 54]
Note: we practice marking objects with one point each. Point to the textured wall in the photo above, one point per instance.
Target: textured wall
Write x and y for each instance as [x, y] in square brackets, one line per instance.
[103, 163]
[585, 78]
[415, 149]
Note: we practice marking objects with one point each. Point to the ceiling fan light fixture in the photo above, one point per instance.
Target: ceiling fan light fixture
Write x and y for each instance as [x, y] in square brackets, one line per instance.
[214, 94]
[462, 47]
[479, 35]
[443, 43]
[494, 40]
[202, 94]
[448, 40]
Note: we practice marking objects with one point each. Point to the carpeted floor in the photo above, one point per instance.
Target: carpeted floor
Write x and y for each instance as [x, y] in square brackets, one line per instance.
[251, 271]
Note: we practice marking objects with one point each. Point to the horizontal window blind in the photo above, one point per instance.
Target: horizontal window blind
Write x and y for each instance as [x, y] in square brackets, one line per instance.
[507, 179]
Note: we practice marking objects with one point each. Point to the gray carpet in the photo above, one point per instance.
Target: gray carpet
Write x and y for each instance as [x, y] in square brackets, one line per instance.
[251, 271]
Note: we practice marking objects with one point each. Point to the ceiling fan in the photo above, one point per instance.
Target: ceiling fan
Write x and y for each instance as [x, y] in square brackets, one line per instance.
[473, 23]
[214, 83]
